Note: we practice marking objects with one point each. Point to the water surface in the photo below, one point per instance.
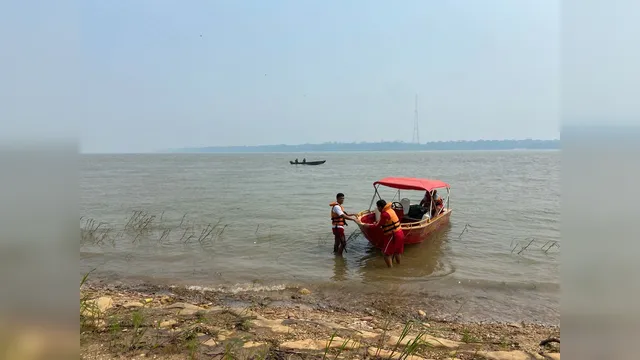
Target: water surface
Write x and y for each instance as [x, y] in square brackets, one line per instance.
[271, 224]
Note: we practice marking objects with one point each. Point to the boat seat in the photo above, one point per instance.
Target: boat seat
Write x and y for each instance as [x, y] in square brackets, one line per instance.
[416, 213]
[406, 205]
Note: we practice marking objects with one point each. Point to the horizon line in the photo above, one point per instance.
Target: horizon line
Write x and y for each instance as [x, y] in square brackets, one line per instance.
[451, 145]
[406, 146]
[367, 142]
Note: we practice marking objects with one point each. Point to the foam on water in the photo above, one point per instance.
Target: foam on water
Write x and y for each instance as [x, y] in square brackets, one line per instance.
[238, 288]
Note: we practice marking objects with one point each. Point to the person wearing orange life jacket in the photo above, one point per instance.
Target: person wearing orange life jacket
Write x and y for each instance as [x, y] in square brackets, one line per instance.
[438, 204]
[425, 204]
[394, 236]
[338, 217]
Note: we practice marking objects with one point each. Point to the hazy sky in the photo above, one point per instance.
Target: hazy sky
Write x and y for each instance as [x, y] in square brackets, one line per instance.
[167, 74]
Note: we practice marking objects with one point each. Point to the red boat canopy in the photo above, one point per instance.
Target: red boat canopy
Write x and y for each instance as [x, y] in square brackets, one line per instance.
[412, 183]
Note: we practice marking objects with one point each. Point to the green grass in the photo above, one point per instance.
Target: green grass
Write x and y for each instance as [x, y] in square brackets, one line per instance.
[468, 337]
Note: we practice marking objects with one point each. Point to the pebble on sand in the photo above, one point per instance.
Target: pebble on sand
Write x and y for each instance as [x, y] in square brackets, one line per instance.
[304, 291]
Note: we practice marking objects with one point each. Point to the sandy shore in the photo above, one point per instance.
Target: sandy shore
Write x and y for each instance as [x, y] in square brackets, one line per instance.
[127, 322]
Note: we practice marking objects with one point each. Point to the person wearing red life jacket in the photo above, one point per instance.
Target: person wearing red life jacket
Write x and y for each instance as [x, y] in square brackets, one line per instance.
[394, 237]
[338, 222]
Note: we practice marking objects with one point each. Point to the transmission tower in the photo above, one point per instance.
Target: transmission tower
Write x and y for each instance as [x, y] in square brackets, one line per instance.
[416, 131]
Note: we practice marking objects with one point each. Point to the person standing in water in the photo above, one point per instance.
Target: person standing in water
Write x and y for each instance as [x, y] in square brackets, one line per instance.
[394, 237]
[338, 217]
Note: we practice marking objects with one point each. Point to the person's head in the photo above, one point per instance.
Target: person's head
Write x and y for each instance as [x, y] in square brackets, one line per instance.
[381, 204]
[340, 198]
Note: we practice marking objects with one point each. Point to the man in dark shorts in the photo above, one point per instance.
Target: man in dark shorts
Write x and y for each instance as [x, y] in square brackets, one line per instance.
[394, 237]
[338, 217]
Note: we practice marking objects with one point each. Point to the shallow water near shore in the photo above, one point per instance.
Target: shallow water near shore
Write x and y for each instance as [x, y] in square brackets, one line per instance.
[269, 229]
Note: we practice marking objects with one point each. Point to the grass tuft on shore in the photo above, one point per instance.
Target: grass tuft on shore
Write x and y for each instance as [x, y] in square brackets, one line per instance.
[143, 226]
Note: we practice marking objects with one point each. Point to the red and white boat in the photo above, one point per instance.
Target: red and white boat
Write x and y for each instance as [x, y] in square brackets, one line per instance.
[416, 226]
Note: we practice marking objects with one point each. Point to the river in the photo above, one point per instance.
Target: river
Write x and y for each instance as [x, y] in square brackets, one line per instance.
[239, 222]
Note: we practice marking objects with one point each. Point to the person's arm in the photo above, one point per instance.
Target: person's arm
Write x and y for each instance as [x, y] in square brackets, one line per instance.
[349, 216]
[383, 218]
[339, 212]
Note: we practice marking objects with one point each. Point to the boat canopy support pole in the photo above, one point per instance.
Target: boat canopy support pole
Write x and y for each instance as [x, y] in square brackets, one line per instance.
[394, 196]
[373, 199]
[445, 203]
[448, 197]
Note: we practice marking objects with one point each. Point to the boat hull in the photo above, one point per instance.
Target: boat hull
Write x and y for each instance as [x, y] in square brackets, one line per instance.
[308, 162]
[414, 233]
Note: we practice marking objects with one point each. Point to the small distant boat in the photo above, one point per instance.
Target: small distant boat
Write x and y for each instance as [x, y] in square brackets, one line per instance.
[320, 162]
[416, 226]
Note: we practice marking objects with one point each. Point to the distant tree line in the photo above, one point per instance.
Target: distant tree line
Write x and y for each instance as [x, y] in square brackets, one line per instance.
[527, 144]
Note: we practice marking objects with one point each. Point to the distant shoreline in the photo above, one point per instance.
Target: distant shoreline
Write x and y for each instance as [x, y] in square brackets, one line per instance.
[527, 144]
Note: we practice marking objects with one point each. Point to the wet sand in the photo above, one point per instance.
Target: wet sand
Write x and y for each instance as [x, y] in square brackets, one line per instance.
[125, 321]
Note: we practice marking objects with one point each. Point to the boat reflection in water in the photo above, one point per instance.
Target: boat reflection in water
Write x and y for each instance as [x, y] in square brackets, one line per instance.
[420, 262]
